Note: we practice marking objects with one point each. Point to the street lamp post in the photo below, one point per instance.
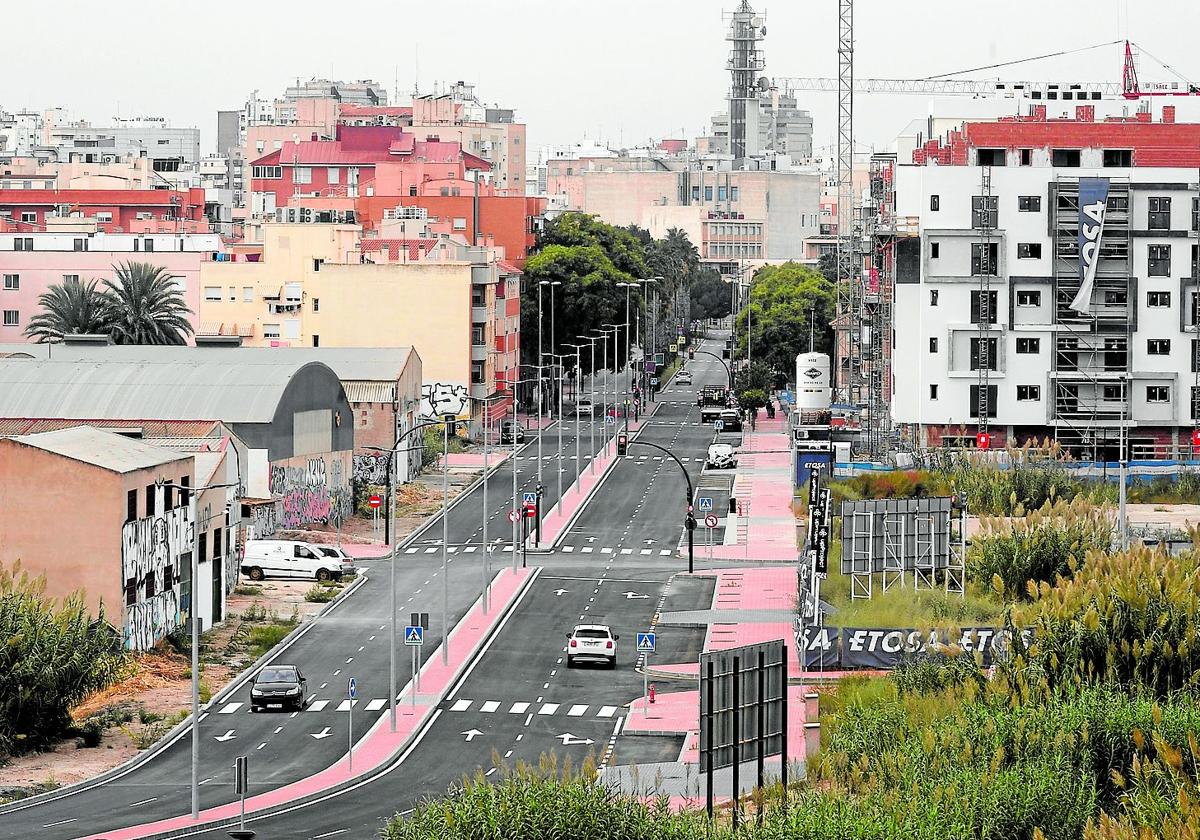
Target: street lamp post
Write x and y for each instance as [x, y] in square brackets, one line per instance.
[629, 378]
[649, 283]
[603, 339]
[578, 374]
[591, 401]
[612, 330]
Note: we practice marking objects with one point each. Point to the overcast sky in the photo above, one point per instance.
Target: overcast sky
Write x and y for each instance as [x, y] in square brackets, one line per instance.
[621, 70]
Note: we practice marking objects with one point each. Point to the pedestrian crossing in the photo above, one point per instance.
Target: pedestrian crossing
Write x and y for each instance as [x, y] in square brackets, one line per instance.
[620, 551]
[537, 709]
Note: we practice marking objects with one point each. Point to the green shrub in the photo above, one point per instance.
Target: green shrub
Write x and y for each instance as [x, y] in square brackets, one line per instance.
[321, 594]
[247, 589]
[897, 484]
[263, 637]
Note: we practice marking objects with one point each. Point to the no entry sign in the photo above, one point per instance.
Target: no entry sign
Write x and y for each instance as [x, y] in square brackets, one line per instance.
[375, 501]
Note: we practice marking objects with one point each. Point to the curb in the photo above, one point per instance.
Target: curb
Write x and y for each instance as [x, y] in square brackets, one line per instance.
[385, 765]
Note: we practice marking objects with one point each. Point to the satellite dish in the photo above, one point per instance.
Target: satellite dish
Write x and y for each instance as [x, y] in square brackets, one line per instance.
[763, 83]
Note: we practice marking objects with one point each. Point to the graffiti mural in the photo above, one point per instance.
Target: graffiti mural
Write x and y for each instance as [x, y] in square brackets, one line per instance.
[265, 519]
[148, 547]
[311, 490]
[438, 399]
[370, 469]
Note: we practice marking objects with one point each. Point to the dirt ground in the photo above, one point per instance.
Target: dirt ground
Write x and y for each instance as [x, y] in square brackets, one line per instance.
[158, 691]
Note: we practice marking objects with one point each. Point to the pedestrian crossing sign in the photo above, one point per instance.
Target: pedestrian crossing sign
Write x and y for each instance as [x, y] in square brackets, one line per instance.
[705, 503]
[645, 642]
[529, 498]
[414, 635]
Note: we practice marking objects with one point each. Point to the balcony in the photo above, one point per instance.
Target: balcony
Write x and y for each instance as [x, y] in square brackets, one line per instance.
[479, 314]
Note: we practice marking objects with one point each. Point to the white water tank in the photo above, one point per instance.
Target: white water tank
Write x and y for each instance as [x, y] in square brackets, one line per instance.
[812, 382]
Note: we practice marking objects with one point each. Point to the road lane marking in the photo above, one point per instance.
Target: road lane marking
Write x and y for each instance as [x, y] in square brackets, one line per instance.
[518, 708]
[318, 705]
[277, 730]
[606, 711]
[230, 708]
[60, 822]
[461, 705]
[376, 704]
[507, 754]
[490, 706]
[330, 833]
[577, 711]
[548, 709]
[345, 705]
[143, 802]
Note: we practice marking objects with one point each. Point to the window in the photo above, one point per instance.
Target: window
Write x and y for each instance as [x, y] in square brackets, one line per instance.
[1112, 393]
[232, 294]
[978, 359]
[1158, 300]
[247, 294]
[708, 194]
[267, 172]
[12, 317]
[12, 282]
[23, 243]
[976, 407]
[168, 502]
[317, 264]
[1029, 298]
[130, 591]
[1115, 297]
[477, 335]
[477, 373]
[933, 391]
[934, 250]
[185, 495]
[978, 217]
[980, 264]
[1029, 204]
[302, 175]
[1195, 402]
[81, 244]
[933, 297]
[28, 216]
[147, 245]
[216, 555]
[149, 500]
[316, 340]
[983, 310]
[1029, 250]
[1159, 217]
[168, 576]
[151, 584]
[1158, 393]
[1195, 215]
[933, 344]
[1119, 203]
[460, 223]
[1158, 346]
[1029, 393]
[989, 157]
[270, 331]
[212, 292]
[1118, 157]
[1026, 157]
[733, 193]
[316, 304]
[722, 193]
[1029, 346]
[1158, 261]
[131, 505]
[935, 202]
[1064, 157]
[202, 544]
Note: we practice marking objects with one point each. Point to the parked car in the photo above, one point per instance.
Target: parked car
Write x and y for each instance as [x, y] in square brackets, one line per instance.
[333, 551]
[684, 377]
[592, 642]
[721, 457]
[584, 406]
[510, 429]
[278, 685]
[731, 420]
[288, 559]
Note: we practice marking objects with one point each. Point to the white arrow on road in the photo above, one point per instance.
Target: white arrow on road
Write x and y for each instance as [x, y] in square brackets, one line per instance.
[630, 596]
[471, 733]
[324, 733]
[560, 592]
[591, 539]
[568, 739]
[228, 736]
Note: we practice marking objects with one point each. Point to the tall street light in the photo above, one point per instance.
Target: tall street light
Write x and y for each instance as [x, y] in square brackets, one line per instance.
[604, 331]
[614, 330]
[591, 339]
[193, 494]
[578, 375]
[559, 364]
[628, 287]
[649, 284]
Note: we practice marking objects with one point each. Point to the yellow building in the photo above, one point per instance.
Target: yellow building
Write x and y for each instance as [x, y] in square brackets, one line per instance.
[312, 286]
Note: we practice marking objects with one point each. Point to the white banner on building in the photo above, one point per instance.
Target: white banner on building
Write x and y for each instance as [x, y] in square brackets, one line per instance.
[1093, 201]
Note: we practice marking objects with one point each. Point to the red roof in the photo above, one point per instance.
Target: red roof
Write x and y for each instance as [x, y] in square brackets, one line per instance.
[375, 110]
[358, 153]
[317, 152]
[507, 268]
[415, 248]
[163, 198]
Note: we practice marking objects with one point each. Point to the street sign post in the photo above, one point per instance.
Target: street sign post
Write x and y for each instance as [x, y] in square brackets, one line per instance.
[529, 498]
[645, 647]
[241, 783]
[352, 690]
[710, 521]
[414, 637]
[375, 501]
[512, 516]
[719, 424]
[704, 504]
[645, 642]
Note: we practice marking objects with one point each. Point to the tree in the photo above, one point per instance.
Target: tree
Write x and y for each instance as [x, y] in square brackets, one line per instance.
[72, 307]
[144, 306]
[785, 301]
[710, 295]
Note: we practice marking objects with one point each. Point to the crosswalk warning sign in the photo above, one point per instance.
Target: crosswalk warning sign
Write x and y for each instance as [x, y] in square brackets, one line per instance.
[413, 635]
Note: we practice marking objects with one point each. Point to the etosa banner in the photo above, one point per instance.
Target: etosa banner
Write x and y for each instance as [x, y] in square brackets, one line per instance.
[1093, 201]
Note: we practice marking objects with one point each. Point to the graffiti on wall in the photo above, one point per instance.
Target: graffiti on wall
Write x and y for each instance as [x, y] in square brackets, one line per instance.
[438, 399]
[310, 490]
[148, 546]
[265, 519]
[370, 469]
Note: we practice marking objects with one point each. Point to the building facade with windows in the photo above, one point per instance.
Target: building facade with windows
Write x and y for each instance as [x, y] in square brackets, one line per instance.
[991, 321]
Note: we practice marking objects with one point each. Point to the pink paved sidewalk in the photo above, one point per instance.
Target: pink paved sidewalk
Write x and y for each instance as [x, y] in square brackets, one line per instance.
[474, 460]
[380, 743]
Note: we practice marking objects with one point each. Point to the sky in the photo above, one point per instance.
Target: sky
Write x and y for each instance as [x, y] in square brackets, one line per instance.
[621, 71]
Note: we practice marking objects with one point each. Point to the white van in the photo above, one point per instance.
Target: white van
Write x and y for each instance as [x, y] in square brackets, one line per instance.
[288, 559]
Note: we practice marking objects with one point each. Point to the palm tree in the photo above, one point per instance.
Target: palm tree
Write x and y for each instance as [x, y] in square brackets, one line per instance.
[144, 306]
[69, 308]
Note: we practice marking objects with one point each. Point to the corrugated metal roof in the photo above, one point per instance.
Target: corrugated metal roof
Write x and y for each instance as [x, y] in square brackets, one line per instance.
[103, 449]
[147, 387]
[175, 430]
[370, 392]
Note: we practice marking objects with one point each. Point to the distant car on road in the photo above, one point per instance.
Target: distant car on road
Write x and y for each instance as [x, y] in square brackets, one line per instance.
[288, 559]
[684, 377]
[510, 429]
[594, 643]
[585, 406]
[721, 457]
[278, 685]
[731, 420]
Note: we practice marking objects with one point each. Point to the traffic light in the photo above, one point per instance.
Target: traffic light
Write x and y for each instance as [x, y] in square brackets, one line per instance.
[622, 444]
[691, 353]
[449, 420]
[983, 440]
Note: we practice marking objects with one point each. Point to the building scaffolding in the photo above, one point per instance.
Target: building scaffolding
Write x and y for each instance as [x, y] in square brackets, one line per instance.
[984, 264]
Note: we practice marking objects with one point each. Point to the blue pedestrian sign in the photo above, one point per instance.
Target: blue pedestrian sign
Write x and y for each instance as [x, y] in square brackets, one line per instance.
[352, 689]
[645, 642]
[704, 503]
[720, 424]
[414, 634]
[529, 498]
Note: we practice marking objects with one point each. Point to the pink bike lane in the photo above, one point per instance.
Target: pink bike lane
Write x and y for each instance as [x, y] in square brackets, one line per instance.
[380, 745]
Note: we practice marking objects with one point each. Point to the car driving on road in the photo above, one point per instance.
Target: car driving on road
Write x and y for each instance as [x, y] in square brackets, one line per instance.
[731, 420]
[278, 685]
[592, 643]
[684, 377]
[511, 429]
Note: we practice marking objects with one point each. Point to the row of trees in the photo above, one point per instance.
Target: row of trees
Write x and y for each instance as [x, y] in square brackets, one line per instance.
[142, 305]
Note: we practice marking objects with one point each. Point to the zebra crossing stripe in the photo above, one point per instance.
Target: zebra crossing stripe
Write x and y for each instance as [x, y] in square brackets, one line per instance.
[568, 548]
[606, 711]
[548, 709]
[577, 711]
[376, 705]
[646, 551]
[345, 705]
[490, 706]
[587, 549]
[627, 551]
[412, 551]
[518, 708]
[461, 705]
[318, 705]
[230, 708]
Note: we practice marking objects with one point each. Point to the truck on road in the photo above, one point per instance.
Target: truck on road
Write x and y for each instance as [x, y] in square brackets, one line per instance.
[712, 402]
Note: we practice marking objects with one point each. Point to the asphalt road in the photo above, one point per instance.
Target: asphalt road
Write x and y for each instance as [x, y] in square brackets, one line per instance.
[351, 640]
[519, 701]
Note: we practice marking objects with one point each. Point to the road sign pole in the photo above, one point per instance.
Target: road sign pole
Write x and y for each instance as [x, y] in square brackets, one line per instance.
[708, 722]
[415, 679]
[759, 710]
[737, 741]
[689, 525]
[350, 729]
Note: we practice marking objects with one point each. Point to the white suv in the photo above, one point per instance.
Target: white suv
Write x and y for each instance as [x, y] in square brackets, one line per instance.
[595, 642]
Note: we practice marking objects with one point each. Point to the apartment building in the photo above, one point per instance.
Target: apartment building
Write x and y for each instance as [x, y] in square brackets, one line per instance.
[1005, 316]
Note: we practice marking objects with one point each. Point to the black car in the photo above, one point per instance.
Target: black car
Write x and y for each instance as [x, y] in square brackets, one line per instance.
[281, 685]
[731, 420]
[509, 429]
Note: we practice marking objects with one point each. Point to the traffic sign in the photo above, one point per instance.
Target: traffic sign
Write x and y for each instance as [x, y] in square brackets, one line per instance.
[529, 498]
[414, 635]
[352, 689]
[512, 516]
[674, 348]
[710, 521]
[653, 380]
[651, 366]
[375, 501]
[530, 511]
[645, 642]
[609, 419]
[704, 503]
[719, 424]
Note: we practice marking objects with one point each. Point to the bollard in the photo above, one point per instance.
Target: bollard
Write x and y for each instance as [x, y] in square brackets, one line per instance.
[651, 692]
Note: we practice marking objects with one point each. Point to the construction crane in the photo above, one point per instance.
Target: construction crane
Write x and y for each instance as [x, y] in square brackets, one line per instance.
[940, 85]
